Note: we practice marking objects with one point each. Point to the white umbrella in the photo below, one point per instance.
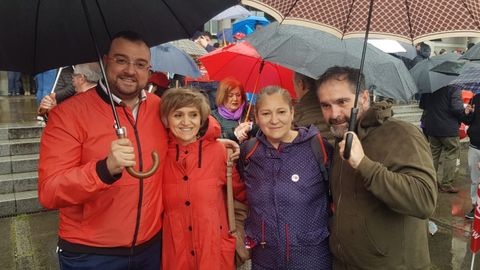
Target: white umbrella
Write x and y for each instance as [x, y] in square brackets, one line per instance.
[235, 12]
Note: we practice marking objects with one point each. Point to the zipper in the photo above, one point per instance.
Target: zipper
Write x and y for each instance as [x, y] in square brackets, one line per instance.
[140, 167]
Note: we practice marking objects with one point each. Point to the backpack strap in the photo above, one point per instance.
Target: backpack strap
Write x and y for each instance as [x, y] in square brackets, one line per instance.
[251, 147]
[321, 155]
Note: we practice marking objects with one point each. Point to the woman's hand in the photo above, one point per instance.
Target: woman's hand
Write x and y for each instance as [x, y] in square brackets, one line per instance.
[241, 131]
[233, 145]
[469, 109]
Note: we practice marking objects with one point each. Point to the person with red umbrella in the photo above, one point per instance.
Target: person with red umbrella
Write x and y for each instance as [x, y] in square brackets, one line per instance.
[231, 101]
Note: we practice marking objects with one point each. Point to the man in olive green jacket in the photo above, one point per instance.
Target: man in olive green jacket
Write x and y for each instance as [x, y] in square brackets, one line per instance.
[384, 193]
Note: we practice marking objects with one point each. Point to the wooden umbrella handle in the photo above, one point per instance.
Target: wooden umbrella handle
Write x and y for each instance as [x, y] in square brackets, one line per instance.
[230, 206]
[131, 170]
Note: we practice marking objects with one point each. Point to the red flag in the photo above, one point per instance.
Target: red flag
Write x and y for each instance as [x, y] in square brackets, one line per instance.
[475, 241]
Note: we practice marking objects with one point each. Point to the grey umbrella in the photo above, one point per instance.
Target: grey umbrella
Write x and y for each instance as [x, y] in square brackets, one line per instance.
[436, 72]
[168, 58]
[311, 52]
[473, 53]
[468, 78]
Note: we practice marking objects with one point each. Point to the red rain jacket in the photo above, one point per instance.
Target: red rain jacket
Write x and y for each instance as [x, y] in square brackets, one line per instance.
[96, 210]
[195, 233]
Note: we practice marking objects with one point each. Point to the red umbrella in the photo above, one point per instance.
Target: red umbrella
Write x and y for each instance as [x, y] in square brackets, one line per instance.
[243, 62]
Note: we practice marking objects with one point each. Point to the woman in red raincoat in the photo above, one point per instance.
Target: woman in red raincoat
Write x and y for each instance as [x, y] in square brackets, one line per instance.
[195, 232]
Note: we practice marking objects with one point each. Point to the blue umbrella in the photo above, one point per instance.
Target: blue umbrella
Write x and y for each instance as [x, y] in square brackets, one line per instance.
[247, 25]
[168, 58]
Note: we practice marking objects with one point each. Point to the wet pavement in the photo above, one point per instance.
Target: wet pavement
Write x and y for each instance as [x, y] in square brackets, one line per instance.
[29, 241]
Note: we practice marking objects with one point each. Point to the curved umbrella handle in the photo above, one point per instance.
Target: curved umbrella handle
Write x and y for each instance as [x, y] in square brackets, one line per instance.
[131, 170]
[150, 172]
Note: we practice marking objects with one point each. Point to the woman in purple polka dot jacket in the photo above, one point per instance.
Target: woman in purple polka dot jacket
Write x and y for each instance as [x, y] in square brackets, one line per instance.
[287, 189]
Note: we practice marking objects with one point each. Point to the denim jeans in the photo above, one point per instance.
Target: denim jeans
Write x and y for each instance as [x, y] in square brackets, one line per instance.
[149, 259]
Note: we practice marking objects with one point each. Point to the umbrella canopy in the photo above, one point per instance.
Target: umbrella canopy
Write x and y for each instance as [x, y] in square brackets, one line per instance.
[469, 78]
[473, 53]
[40, 35]
[189, 47]
[235, 12]
[427, 80]
[312, 52]
[243, 62]
[408, 21]
[247, 25]
[169, 58]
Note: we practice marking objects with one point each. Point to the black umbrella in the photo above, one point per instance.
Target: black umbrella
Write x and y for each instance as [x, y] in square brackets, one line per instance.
[38, 35]
[42, 34]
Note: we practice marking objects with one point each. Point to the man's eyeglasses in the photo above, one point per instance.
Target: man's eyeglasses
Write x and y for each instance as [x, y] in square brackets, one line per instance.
[124, 61]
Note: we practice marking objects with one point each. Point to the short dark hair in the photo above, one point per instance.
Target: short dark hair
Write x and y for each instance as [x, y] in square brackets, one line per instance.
[130, 36]
[307, 81]
[342, 73]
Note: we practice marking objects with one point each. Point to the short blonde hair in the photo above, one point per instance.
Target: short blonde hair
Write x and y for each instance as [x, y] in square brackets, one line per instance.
[271, 90]
[176, 98]
[224, 88]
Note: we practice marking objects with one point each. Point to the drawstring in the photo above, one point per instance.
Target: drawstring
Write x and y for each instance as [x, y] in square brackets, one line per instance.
[200, 154]
[287, 244]
[263, 235]
[178, 152]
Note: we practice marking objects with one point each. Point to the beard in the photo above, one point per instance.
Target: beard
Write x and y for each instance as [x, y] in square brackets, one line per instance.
[338, 126]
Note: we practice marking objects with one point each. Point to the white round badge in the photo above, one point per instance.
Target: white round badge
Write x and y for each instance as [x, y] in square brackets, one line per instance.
[295, 178]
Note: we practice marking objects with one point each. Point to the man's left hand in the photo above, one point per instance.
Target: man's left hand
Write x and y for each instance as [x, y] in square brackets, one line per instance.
[356, 153]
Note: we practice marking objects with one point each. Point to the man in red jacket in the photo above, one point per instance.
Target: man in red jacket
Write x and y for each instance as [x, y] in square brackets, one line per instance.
[108, 219]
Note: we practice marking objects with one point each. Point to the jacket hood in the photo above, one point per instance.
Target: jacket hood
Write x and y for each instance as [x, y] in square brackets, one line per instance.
[425, 50]
[304, 134]
[376, 115]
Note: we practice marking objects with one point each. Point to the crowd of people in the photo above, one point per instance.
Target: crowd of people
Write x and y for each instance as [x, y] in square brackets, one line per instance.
[296, 202]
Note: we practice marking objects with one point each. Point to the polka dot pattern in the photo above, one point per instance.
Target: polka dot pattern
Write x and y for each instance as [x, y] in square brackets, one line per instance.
[288, 205]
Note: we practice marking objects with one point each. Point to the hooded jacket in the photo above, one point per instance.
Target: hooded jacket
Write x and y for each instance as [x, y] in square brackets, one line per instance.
[289, 206]
[196, 233]
[381, 208]
[98, 212]
[442, 112]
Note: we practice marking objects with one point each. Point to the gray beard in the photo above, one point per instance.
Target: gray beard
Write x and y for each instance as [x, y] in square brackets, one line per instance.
[338, 132]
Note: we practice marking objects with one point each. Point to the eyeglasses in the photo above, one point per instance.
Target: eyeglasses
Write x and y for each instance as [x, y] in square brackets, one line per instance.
[124, 61]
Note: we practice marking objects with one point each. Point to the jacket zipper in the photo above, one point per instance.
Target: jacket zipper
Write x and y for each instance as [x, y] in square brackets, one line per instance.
[140, 167]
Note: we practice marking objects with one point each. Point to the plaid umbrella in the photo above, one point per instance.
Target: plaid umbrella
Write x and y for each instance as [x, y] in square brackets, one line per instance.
[409, 20]
[312, 52]
[473, 53]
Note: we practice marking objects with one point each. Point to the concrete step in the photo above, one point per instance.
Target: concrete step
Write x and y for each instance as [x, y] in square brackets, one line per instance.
[19, 164]
[409, 117]
[19, 203]
[18, 182]
[20, 131]
[19, 147]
